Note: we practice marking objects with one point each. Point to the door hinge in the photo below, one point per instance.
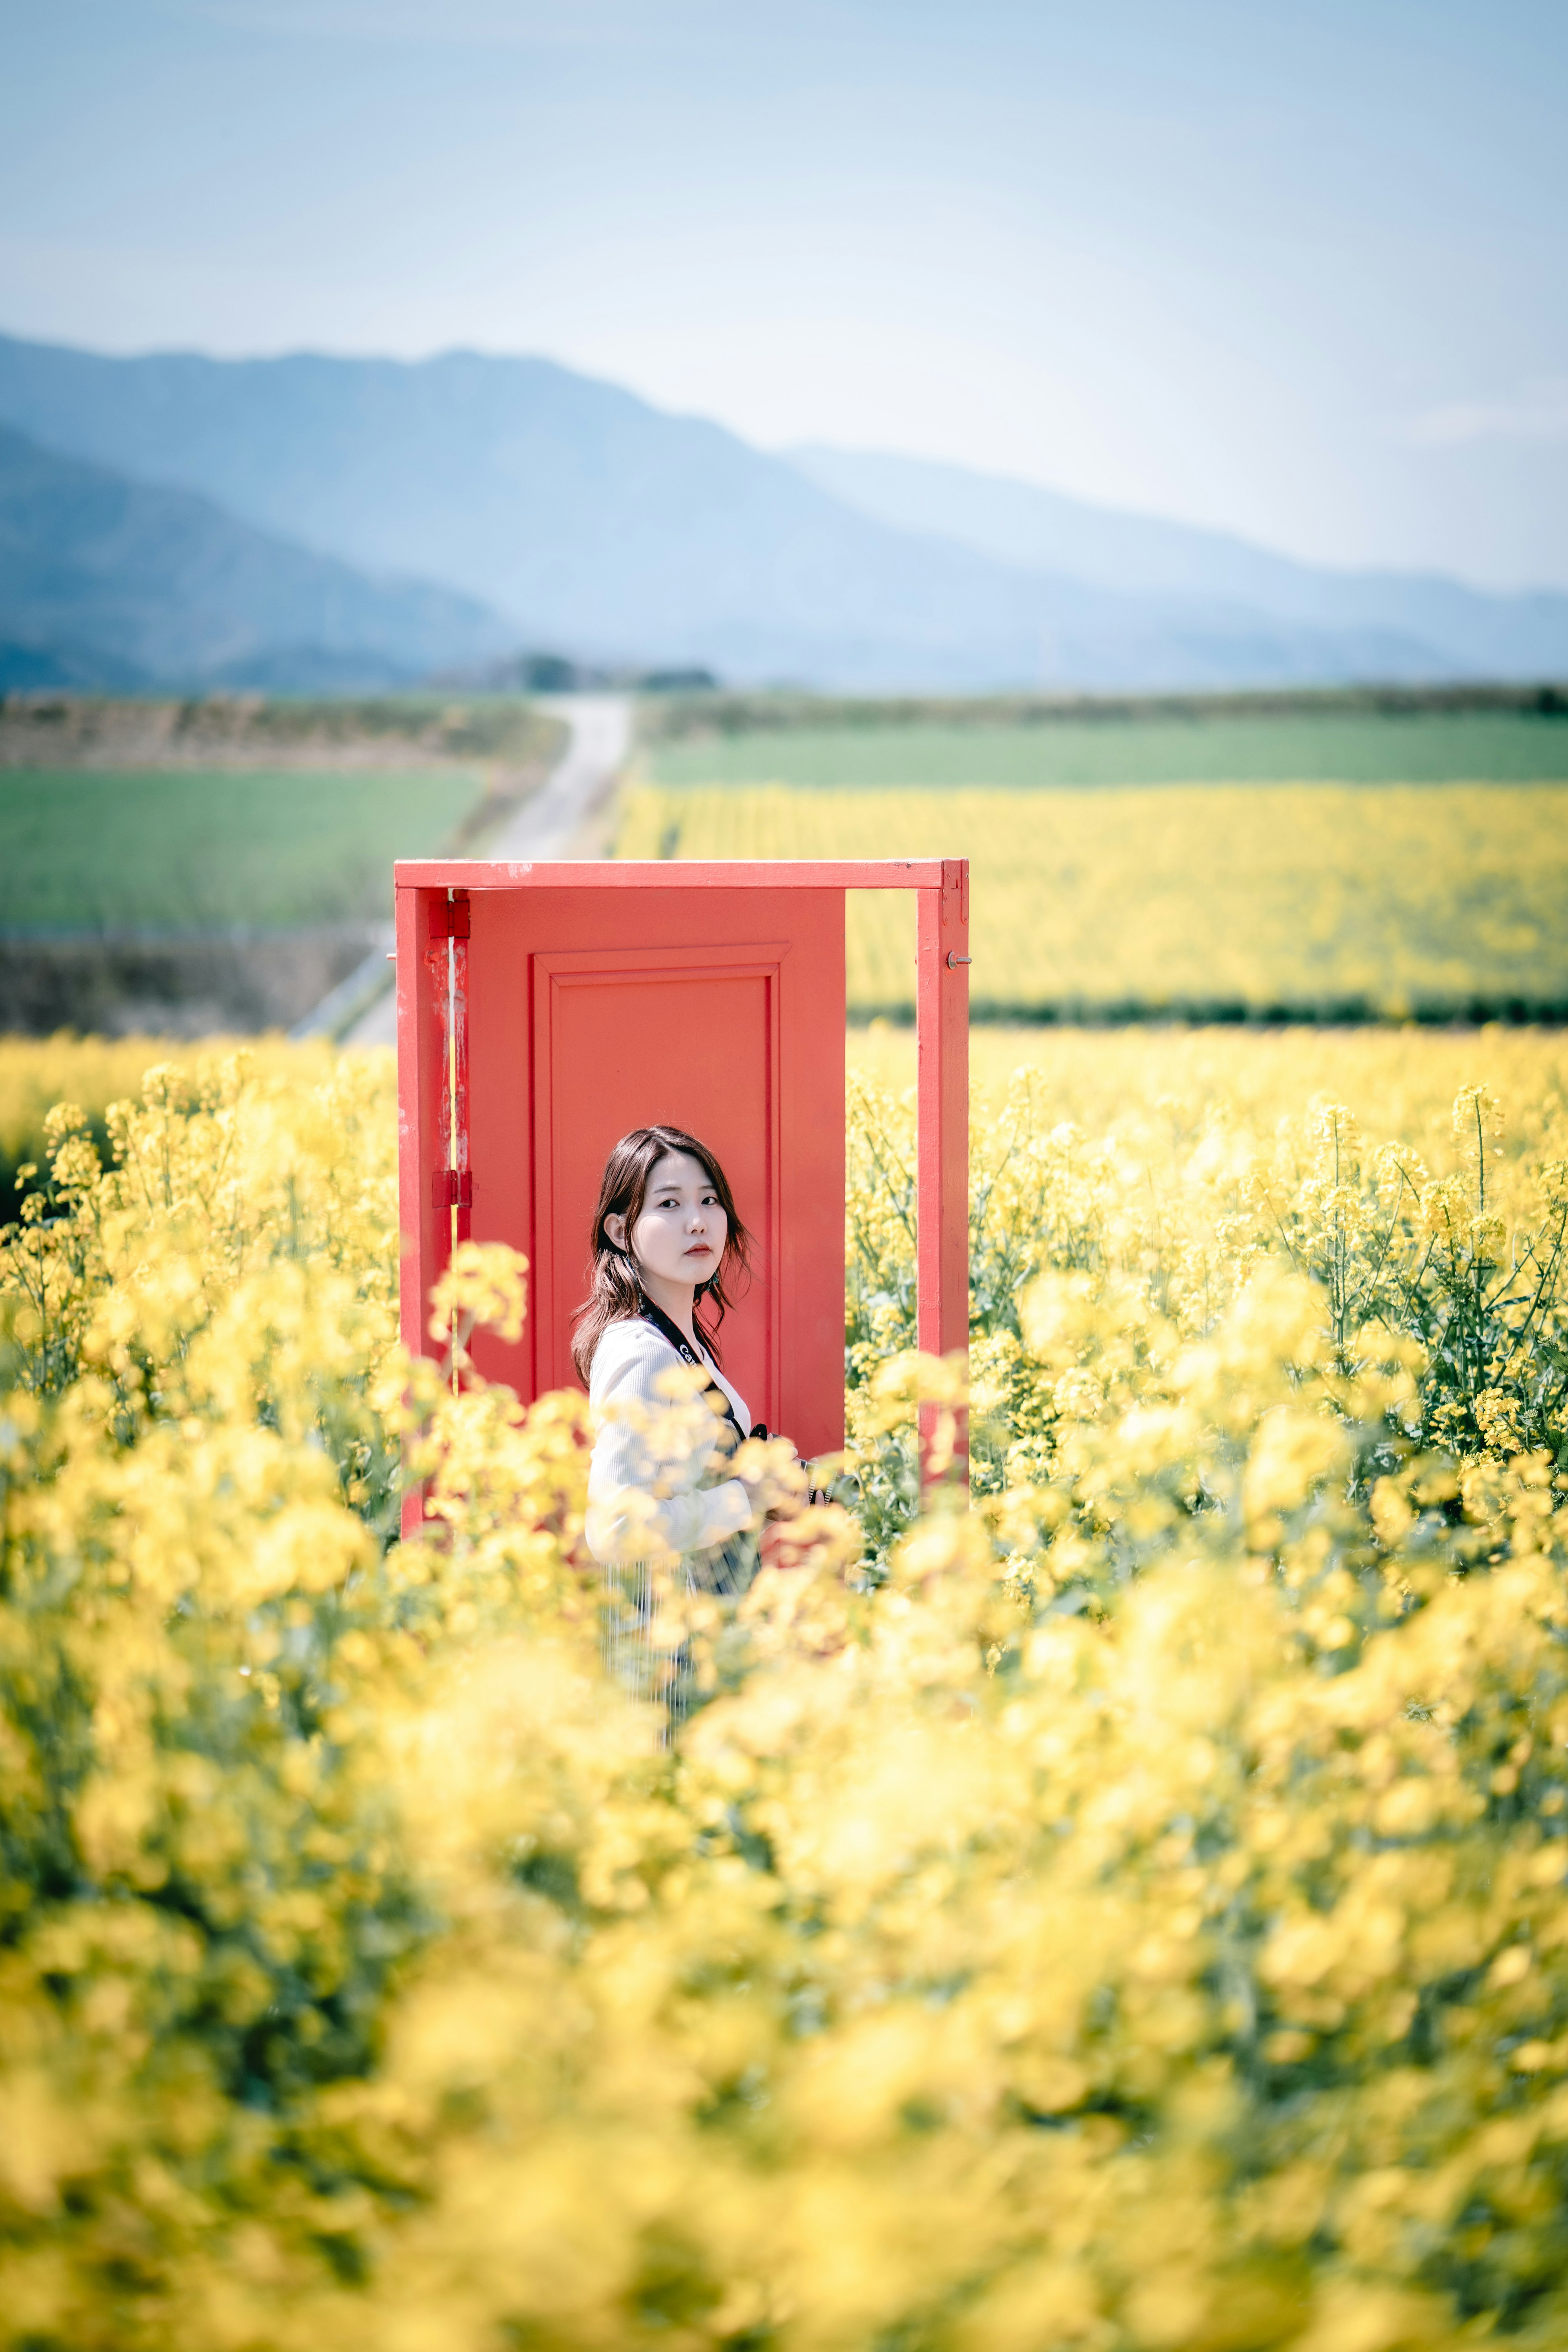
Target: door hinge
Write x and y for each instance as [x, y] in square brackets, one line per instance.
[449, 918]
[454, 1188]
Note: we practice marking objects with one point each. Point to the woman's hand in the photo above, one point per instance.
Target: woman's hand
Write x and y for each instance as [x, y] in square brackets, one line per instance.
[783, 1545]
[774, 1477]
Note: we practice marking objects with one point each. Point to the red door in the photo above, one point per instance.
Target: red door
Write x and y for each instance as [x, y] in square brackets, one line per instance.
[544, 1010]
[592, 1010]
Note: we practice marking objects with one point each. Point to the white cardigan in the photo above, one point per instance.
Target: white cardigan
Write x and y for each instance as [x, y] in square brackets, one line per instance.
[640, 1501]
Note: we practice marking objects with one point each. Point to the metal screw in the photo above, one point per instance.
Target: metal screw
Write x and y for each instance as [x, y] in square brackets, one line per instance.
[953, 958]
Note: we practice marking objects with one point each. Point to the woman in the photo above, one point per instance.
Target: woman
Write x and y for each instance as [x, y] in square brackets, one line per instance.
[662, 1488]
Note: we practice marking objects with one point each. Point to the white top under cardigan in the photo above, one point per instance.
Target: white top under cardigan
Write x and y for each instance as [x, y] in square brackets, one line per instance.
[626, 1518]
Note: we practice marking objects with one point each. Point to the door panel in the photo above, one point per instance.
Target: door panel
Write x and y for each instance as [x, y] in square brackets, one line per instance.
[721, 1011]
[624, 1038]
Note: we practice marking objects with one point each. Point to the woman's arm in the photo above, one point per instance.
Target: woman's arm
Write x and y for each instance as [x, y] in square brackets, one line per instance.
[643, 1492]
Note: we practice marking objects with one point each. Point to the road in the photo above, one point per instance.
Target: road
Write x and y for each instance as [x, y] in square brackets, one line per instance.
[565, 818]
[555, 822]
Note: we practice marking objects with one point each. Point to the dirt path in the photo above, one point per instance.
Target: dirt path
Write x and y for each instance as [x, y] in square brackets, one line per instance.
[565, 818]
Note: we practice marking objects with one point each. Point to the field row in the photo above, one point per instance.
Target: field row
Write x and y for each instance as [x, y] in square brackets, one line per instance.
[171, 817]
[944, 750]
[193, 850]
[1155, 1093]
[1216, 901]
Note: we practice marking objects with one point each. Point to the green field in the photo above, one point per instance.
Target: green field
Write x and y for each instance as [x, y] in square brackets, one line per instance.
[89, 849]
[944, 752]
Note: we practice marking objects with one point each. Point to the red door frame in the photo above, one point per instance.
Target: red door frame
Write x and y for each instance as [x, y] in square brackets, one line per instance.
[434, 1171]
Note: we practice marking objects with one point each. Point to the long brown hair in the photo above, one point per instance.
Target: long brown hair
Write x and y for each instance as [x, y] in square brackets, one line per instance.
[615, 1293]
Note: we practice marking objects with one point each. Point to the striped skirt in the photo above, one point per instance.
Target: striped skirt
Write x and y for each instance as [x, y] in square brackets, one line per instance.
[642, 1642]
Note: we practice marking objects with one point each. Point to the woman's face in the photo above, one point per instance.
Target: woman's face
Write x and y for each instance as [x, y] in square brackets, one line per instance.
[682, 1230]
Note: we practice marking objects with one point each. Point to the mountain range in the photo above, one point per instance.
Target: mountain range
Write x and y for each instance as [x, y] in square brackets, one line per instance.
[1038, 529]
[310, 520]
[110, 582]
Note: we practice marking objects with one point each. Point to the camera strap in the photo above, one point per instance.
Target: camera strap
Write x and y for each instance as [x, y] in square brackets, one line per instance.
[688, 1354]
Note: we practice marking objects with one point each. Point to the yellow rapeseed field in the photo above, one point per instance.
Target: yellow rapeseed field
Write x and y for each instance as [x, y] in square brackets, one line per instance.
[1208, 899]
[1160, 1084]
[1129, 1909]
[35, 1073]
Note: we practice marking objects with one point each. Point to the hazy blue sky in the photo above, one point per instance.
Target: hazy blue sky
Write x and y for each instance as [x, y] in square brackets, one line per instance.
[1292, 267]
